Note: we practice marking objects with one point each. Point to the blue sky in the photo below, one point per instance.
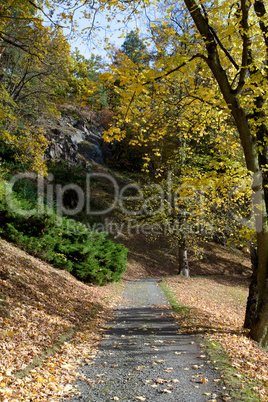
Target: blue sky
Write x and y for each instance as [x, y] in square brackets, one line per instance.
[97, 45]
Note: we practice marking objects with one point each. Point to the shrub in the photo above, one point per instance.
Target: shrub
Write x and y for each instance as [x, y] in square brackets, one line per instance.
[90, 256]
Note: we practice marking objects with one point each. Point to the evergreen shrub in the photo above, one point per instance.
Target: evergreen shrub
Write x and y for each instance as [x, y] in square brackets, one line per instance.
[65, 243]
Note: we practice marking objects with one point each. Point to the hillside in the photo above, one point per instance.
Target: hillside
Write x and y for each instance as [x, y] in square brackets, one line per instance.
[156, 258]
[49, 321]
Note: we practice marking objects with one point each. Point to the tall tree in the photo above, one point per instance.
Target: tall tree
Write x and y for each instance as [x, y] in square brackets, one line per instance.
[33, 65]
[242, 76]
[83, 81]
[227, 44]
[134, 48]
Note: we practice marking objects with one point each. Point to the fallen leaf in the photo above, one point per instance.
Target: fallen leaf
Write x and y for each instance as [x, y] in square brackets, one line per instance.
[204, 380]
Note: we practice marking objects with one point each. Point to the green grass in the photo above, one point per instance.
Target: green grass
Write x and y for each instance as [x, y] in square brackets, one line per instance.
[177, 307]
[240, 386]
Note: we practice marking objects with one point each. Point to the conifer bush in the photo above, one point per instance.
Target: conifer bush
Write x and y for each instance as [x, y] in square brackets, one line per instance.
[65, 243]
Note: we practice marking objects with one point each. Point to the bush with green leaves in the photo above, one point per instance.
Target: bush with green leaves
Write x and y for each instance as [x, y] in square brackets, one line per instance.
[2, 181]
[90, 256]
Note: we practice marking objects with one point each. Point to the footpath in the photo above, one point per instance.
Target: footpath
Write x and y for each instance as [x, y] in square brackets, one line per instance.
[143, 358]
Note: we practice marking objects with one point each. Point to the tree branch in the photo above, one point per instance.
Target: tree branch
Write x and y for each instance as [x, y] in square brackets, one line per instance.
[228, 55]
[260, 11]
[22, 46]
[44, 13]
[220, 74]
[160, 77]
[246, 47]
[35, 92]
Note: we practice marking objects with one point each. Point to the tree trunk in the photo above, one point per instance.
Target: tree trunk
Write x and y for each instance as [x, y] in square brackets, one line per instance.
[251, 310]
[183, 262]
[259, 328]
[183, 259]
[258, 322]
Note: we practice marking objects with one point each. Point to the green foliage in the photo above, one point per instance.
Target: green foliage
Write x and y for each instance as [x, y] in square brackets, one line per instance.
[2, 181]
[134, 48]
[83, 83]
[90, 256]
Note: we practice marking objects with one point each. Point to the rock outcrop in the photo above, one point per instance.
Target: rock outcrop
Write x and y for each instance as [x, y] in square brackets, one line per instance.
[76, 137]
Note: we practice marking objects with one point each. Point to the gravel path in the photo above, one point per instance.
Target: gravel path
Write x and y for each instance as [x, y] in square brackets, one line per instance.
[141, 356]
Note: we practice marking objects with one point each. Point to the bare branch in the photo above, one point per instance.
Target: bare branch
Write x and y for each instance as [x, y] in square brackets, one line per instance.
[44, 13]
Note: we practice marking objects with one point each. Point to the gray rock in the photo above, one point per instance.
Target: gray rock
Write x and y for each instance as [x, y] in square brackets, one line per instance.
[75, 141]
[78, 137]
[91, 152]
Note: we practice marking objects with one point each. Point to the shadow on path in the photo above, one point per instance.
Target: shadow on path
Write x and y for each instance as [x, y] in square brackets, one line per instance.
[142, 357]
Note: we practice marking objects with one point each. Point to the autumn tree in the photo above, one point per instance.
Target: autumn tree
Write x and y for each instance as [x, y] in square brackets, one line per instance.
[83, 85]
[227, 44]
[33, 66]
[235, 48]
